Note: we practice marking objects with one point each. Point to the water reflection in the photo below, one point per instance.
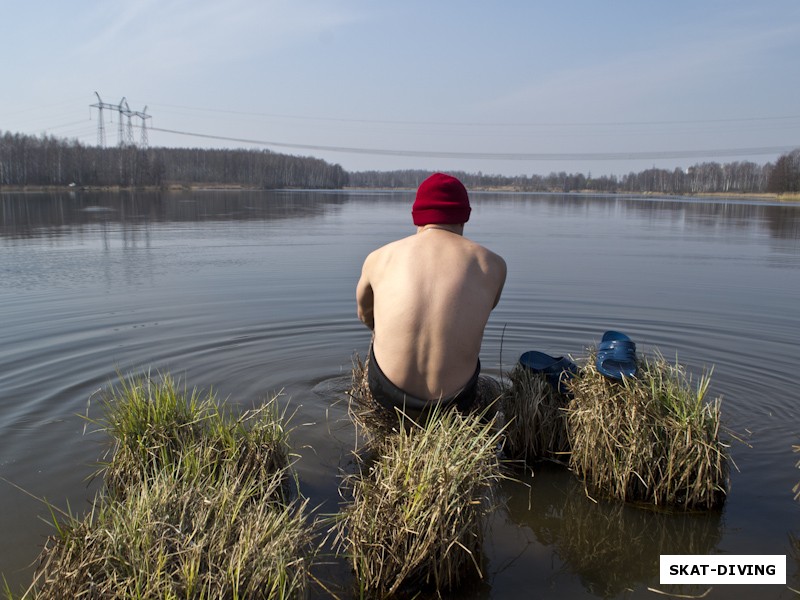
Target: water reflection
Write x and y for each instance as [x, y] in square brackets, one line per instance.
[610, 546]
[779, 219]
[47, 214]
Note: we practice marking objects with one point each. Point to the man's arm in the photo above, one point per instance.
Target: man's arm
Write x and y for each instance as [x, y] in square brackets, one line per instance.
[365, 298]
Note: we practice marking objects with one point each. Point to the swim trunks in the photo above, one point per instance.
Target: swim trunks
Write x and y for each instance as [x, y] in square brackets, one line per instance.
[389, 396]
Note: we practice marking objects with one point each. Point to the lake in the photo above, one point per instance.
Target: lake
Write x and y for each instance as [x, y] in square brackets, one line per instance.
[253, 293]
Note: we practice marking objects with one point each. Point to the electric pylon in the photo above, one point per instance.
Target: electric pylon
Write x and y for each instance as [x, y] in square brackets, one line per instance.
[143, 116]
[125, 128]
[101, 126]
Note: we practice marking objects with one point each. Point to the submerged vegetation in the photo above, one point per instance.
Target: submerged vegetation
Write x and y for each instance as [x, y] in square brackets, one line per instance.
[158, 428]
[415, 517]
[198, 502]
[174, 537]
[536, 422]
[652, 439]
[195, 506]
[369, 418]
[796, 489]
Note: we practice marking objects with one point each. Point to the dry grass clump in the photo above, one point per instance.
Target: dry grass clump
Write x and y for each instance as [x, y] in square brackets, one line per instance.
[369, 417]
[796, 489]
[190, 510]
[651, 439]
[416, 516]
[536, 422]
[172, 537]
[156, 426]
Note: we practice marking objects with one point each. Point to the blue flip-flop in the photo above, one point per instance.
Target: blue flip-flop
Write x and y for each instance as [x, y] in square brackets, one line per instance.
[556, 369]
[616, 356]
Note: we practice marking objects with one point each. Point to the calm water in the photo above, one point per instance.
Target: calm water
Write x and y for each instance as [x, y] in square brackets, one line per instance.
[253, 294]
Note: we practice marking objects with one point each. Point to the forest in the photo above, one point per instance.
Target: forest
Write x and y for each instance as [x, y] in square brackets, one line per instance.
[29, 161]
[46, 161]
[703, 178]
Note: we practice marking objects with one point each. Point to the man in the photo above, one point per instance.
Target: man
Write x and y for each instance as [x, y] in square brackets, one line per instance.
[427, 298]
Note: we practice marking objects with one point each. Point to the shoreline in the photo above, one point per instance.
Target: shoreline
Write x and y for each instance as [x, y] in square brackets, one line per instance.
[214, 187]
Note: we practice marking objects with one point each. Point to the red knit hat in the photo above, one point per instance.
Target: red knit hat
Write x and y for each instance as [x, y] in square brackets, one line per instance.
[441, 199]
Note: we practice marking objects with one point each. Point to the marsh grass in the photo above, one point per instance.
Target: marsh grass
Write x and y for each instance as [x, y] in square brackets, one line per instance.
[652, 439]
[416, 515]
[536, 422]
[796, 488]
[156, 426]
[371, 420]
[195, 506]
[172, 537]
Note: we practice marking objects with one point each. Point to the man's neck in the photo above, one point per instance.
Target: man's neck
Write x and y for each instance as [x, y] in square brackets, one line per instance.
[457, 229]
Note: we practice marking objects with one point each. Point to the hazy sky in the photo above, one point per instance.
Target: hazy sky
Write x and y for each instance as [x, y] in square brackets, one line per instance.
[507, 87]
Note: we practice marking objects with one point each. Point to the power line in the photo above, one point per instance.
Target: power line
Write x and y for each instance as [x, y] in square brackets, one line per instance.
[491, 124]
[521, 156]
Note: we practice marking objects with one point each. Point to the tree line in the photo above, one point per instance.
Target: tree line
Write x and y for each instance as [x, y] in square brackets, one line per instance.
[703, 178]
[49, 161]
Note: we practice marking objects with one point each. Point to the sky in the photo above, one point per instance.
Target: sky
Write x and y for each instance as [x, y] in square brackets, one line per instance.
[516, 87]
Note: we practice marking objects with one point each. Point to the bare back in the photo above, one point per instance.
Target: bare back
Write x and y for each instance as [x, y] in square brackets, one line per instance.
[431, 294]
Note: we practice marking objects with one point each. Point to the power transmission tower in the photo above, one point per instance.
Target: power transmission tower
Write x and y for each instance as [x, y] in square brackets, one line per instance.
[129, 129]
[125, 128]
[101, 126]
[143, 116]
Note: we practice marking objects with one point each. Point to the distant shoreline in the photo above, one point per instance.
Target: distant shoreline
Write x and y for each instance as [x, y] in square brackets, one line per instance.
[214, 187]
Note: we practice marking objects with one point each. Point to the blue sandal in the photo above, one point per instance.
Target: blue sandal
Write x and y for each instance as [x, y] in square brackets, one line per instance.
[557, 370]
[616, 356]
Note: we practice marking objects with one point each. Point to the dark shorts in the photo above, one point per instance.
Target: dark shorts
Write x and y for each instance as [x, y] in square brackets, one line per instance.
[391, 397]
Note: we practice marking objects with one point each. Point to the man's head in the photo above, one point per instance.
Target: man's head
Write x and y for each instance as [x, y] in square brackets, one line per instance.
[441, 200]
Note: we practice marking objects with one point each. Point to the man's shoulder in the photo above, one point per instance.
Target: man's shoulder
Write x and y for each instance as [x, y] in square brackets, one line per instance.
[492, 264]
[487, 254]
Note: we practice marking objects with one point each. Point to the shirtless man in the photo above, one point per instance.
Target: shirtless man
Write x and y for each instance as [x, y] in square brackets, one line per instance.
[427, 298]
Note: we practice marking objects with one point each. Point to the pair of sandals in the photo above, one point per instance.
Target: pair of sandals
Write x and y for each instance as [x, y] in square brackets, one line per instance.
[616, 359]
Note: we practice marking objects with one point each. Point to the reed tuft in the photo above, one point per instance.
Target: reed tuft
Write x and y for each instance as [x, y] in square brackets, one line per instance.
[651, 439]
[195, 507]
[536, 422]
[372, 420]
[416, 517]
[156, 426]
[172, 537]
